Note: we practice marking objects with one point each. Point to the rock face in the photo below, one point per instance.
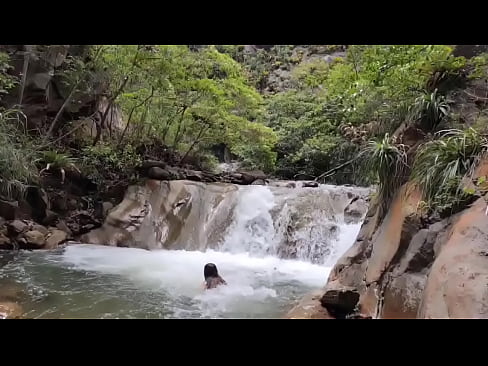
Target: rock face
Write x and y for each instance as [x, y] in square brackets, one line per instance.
[457, 286]
[401, 268]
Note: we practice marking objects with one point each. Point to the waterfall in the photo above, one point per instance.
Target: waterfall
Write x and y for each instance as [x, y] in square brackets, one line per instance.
[283, 220]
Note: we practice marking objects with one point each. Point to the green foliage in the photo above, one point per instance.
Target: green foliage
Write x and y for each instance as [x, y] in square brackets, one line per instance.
[17, 168]
[478, 66]
[441, 164]
[6, 81]
[430, 109]
[103, 157]
[190, 100]
[312, 73]
[57, 160]
[388, 162]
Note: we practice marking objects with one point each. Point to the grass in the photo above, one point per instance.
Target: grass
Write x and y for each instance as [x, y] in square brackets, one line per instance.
[17, 170]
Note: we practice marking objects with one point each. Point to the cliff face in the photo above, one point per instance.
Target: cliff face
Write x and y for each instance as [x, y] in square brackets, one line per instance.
[404, 270]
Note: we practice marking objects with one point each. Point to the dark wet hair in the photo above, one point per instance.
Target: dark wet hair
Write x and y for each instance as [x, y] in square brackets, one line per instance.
[210, 270]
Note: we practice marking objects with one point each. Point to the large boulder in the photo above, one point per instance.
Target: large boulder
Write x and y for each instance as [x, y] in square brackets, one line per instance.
[55, 238]
[457, 285]
[158, 173]
[35, 238]
[17, 227]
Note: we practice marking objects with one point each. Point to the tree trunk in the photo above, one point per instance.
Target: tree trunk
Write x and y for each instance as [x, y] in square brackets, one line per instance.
[197, 140]
[334, 170]
[176, 140]
[25, 69]
[60, 112]
[131, 112]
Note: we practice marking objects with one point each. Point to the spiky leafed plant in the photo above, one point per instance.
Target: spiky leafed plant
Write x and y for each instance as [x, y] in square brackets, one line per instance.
[430, 110]
[388, 162]
[55, 160]
[442, 163]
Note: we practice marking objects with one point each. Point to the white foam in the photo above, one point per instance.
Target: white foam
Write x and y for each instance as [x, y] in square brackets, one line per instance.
[251, 281]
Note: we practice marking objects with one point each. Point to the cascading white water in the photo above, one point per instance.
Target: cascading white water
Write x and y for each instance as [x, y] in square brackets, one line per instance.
[252, 230]
[280, 243]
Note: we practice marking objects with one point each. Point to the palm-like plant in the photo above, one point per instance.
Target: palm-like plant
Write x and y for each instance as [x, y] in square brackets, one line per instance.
[59, 161]
[430, 110]
[445, 161]
[388, 162]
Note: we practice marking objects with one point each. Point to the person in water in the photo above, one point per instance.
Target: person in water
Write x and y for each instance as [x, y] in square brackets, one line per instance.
[212, 277]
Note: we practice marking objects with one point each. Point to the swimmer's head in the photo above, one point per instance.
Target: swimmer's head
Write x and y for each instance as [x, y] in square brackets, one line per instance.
[210, 270]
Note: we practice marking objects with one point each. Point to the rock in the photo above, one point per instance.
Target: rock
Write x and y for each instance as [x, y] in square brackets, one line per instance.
[17, 226]
[5, 242]
[10, 310]
[158, 173]
[61, 225]
[107, 206]
[355, 211]
[148, 164]
[340, 303]
[35, 238]
[40, 228]
[55, 238]
[38, 201]
[9, 209]
[194, 175]
[259, 182]
[309, 307]
[291, 185]
[310, 184]
[50, 218]
[246, 177]
[457, 285]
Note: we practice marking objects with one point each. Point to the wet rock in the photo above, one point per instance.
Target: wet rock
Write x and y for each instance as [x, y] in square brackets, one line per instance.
[309, 307]
[246, 177]
[259, 182]
[9, 209]
[291, 185]
[17, 227]
[310, 184]
[340, 303]
[158, 173]
[355, 211]
[55, 238]
[35, 238]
